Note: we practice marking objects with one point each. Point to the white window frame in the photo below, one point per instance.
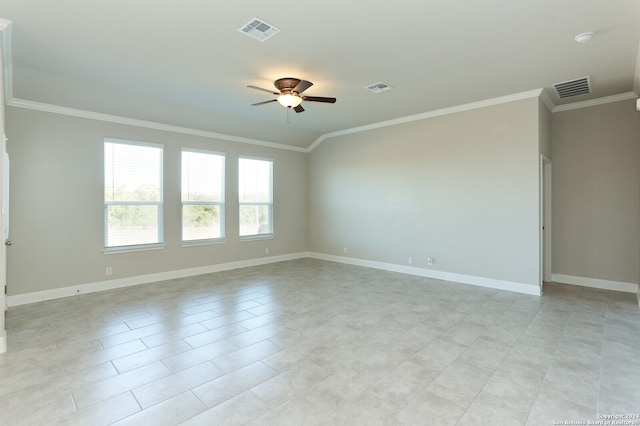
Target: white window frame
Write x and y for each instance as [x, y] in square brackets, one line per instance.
[257, 236]
[160, 203]
[204, 241]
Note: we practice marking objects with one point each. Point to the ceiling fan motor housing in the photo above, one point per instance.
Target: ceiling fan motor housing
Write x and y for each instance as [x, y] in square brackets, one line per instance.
[286, 84]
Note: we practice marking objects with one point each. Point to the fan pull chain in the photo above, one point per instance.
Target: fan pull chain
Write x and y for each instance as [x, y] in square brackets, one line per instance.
[288, 115]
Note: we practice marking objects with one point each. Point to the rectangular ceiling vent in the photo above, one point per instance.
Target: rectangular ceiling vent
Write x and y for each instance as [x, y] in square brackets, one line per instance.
[258, 29]
[379, 87]
[567, 89]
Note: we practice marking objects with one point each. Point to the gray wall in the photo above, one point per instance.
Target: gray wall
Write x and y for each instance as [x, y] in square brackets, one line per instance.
[57, 203]
[596, 198]
[462, 188]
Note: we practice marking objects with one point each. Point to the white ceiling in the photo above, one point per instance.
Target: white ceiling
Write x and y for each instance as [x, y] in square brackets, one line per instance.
[185, 63]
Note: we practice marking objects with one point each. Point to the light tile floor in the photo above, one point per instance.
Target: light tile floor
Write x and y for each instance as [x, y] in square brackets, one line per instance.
[314, 342]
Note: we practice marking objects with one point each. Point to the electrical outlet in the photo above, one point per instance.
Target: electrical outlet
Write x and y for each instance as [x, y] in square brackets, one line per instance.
[429, 260]
[410, 260]
[266, 251]
[108, 270]
[344, 250]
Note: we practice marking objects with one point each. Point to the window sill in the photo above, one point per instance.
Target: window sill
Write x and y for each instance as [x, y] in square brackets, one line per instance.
[197, 243]
[257, 237]
[133, 249]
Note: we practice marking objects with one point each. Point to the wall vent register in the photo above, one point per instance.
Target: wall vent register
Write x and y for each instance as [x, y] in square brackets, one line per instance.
[567, 89]
[379, 87]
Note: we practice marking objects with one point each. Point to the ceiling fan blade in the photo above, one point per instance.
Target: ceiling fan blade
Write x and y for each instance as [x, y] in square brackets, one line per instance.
[319, 99]
[265, 102]
[298, 108]
[264, 90]
[302, 86]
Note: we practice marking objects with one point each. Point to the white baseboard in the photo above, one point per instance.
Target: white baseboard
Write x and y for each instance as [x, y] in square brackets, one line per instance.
[40, 296]
[3, 341]
[430, 273]
[595, 283]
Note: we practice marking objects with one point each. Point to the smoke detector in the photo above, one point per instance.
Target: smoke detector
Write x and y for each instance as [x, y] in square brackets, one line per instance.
[584, 37]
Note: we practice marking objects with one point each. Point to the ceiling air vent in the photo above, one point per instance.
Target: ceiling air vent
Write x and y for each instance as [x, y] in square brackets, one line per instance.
[567, 89]
[258, 29]
[379, 87]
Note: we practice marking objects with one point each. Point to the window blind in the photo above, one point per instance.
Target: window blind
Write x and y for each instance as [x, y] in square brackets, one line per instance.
[202, 195]
[255, 193]
[133, 194]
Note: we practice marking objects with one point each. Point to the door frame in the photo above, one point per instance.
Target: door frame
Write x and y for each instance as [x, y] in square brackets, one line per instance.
[5, 90]
[545, 220]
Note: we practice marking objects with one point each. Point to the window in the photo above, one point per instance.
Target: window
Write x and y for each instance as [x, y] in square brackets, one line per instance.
[202, 195]
[255, 185]
[133, 208]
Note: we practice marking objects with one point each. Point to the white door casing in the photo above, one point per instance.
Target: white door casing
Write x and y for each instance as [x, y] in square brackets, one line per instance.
[5, 55]
[545, 219]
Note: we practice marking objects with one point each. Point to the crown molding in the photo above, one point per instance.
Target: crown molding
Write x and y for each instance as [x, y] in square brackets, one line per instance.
[546, 100]
[544, 97]
[595, 102]
[430, 114]
[5, 32]
[73, 112]
[56, 109]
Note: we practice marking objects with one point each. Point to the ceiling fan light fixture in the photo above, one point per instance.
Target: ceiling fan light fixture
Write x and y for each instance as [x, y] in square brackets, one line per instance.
[289, 94]
[289, 100]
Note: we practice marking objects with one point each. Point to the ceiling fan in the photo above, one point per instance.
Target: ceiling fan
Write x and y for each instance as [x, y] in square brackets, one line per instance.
[290, 93]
